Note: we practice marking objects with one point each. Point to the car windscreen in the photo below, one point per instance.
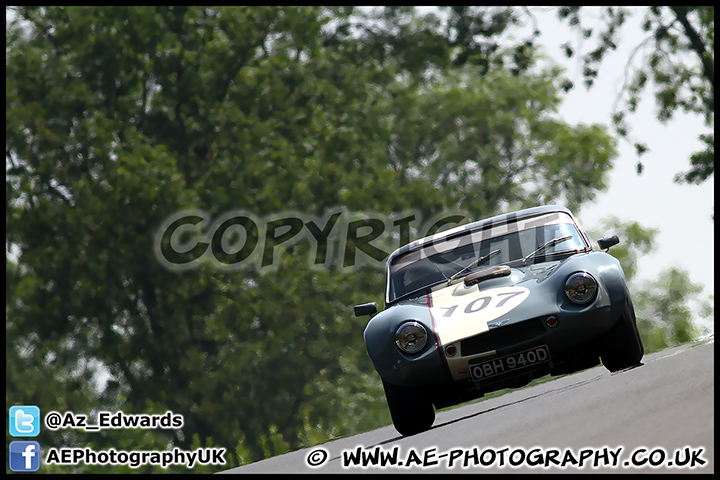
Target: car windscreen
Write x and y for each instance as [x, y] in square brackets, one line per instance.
[437, 261]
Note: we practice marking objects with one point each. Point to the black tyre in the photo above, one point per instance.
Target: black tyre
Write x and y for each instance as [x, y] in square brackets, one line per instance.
[621, 347]
[411, 411]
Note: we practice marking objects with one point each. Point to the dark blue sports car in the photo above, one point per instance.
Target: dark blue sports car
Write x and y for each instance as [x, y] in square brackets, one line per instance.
[494, 304]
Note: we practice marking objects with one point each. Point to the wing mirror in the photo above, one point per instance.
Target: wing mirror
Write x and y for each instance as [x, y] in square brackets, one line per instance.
[607, 242]
[365, 309]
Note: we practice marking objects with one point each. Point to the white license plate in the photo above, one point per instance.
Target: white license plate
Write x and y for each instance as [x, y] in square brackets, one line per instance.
[509, 363]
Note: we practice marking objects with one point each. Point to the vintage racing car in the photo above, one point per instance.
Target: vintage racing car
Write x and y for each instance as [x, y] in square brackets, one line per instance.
[494, 304]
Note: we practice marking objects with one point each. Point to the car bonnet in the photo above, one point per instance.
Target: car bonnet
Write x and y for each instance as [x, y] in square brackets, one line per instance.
[459, 312]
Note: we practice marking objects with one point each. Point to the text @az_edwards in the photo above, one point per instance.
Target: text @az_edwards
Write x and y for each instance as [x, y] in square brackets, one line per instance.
[113, 420]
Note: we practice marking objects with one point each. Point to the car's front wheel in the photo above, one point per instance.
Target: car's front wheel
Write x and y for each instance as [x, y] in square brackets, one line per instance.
[411, 410]
[621, 347]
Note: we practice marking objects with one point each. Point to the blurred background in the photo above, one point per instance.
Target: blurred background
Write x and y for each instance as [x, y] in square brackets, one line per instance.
[120, 117]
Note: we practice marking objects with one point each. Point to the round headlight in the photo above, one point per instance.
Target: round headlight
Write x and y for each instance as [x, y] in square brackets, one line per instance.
[581, 287]
[411, 337]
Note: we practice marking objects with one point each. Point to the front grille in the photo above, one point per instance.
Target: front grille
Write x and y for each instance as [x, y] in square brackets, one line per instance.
[501, 337]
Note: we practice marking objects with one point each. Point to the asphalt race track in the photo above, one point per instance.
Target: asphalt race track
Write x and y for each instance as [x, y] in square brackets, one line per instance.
[656, 418]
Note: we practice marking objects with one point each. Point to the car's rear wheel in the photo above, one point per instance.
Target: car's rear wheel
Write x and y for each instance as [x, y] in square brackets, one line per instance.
[411, 410]
[621, 347]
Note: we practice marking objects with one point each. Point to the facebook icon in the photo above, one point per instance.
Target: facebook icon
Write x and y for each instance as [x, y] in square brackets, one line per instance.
[24, 456]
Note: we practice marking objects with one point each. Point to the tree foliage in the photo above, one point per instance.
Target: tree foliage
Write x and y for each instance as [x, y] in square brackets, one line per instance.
[677, 59]
[117, 118]
[668, 307]
[635, 242]
[665, 310]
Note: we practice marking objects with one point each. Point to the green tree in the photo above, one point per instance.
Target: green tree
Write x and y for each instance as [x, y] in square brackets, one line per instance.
[635, 241]
[117, 118]
[666, 308]
[663, 308]
[677, 59]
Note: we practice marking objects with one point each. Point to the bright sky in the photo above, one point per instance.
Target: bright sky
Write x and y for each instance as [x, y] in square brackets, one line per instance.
[681, 213]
